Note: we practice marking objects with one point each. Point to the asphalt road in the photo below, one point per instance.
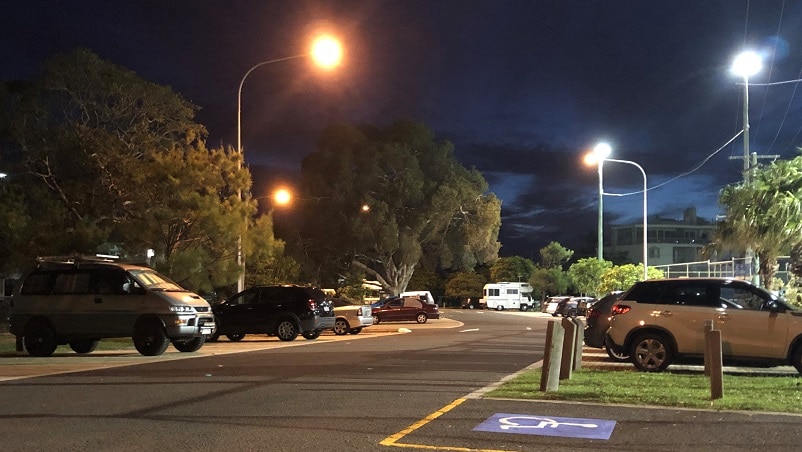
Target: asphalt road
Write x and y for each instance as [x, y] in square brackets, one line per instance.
[379, 390]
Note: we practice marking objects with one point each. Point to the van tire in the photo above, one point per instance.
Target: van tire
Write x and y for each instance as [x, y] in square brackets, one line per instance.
[499, 308]
[40, 338]
[524, 307]
[150, 339]
[311, 335]
[189, 345]
[84, 346]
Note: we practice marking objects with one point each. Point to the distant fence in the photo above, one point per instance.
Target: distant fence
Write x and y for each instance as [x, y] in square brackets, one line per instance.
[733, 268]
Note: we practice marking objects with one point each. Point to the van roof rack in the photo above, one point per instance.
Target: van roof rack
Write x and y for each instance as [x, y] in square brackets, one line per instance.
[75, 259]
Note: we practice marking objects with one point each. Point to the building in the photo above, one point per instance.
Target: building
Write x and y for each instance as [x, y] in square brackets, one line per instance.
[669, 241]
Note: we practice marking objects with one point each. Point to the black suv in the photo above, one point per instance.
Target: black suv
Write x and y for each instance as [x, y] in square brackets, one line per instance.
[283, 311]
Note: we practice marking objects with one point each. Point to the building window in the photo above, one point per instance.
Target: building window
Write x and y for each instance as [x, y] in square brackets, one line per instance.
[654, 252]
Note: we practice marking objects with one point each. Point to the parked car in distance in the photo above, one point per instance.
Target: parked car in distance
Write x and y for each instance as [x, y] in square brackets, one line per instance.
[350, 317]
[551, 303]
[470, 303]
[424, 295]
[659, 321]
[282, 311]
[597, 320]
[583, 303]
[405, 309]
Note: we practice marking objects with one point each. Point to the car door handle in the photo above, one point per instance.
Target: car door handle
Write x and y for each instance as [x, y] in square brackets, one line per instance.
[666, 314]
[723, 317]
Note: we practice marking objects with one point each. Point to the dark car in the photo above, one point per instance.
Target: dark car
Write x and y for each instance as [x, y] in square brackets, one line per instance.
[405, 309]
[598, 320]
[470, 303]
[282, 311]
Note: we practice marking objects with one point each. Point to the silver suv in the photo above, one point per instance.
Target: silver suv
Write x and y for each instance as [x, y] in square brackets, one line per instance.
[80, 300]
[657, 321]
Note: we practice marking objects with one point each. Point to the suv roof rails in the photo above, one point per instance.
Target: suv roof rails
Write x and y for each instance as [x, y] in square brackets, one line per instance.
[75, 259]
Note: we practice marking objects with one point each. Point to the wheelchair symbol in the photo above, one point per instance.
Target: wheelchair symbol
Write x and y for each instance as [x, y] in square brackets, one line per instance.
[508, 423]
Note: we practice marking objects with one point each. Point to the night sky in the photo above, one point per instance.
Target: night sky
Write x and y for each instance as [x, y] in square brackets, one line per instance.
[523, 88]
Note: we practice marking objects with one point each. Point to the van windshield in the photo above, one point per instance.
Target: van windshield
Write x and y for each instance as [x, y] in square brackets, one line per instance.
[152, 280]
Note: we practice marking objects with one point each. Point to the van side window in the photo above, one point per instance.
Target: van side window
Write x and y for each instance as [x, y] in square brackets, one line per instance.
[74, 282]
[108, 281]
[37, 284]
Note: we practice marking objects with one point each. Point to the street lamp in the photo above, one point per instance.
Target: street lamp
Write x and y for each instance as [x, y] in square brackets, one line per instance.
[745, 65]
[600, 152]
[599, 155]
[326, 52]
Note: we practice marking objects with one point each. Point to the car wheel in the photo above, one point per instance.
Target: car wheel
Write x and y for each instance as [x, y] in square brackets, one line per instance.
[84, 346]
[617, 357]
[524, 307]
[40, 338]
[214, 336]
[287, 330]
[376, 319]
[355, 330]
[341, 327]
[150, 338]
[189, 345]
[651, 352]
[422, 317]
[235, 337]
[554, 314]
[796, 358]
[470, 306]
[499, 308]
[571, 313]
[311, 335]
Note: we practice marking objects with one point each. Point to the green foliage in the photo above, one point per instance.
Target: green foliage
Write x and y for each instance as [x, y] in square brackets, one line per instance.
[465, 284]
[422, 204]
[549, 281]
[554, 255]
[620, 277]
[586, 275]
[765, 215]
[513, 269]
[265, 261]
[426, 280]
[111, 161]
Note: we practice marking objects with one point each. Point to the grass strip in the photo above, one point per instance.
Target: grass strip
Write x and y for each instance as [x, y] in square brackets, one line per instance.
[741, 392]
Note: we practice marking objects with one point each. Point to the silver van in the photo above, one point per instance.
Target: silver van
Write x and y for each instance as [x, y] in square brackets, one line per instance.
[79, 300]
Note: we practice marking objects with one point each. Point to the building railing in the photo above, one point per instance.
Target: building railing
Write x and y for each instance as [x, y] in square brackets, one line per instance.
[734, 268]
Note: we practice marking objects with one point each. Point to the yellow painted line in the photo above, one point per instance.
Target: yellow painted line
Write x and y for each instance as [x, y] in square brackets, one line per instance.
[392, 440]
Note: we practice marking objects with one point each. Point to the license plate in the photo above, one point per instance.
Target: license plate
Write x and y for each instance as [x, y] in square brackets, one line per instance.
[206, 330]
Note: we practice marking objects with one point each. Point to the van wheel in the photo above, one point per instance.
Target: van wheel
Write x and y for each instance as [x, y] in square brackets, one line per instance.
[40, 338]
[422, 317]
[311, 335]
[84, 346]
[150, 338]
[341, 327]
[651, 352]
[286, 330]
[499, 308]
[524, 307]
[189, 345]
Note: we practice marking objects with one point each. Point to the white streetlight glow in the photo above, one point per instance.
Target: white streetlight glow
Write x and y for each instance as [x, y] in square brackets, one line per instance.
[746, 64]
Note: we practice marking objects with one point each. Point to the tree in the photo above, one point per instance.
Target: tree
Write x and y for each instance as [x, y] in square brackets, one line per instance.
[465, 284]
[266, 261]
[622, 277]
[548, 281]
[513, 269]
[554, 255]
[389, 197]
[765, 215]
[109, 161]
[586, 274]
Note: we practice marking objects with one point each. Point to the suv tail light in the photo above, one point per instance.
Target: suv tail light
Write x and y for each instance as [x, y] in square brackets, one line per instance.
[311, 304]
[620, 309]
[593, 313]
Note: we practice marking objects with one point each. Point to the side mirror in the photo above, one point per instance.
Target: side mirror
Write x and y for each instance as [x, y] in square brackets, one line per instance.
[773, 306]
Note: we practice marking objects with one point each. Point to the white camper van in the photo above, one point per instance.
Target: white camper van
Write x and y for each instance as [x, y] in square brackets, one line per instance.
[507, 295]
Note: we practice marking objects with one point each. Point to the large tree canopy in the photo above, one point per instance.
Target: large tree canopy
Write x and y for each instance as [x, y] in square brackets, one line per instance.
[383, 199]
[107, 161]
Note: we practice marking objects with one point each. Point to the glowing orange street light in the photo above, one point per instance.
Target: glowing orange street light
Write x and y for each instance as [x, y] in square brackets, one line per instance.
[282, 196]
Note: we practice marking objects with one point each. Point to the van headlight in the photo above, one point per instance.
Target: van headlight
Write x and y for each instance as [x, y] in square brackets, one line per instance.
[182, 309]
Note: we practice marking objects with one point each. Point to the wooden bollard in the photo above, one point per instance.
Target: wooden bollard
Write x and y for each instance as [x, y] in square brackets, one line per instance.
[550, 372]
[713, 344]
[569, 344]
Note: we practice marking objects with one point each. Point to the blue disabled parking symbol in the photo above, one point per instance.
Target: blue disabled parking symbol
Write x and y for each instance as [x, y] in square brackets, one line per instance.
[529, 424]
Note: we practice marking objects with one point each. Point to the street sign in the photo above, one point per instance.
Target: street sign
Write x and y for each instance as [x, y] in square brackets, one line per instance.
[528, 424]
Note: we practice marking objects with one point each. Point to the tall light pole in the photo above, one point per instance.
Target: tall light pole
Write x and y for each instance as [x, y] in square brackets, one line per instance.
[600, 152]
[598, 156]
[326, 52]
[745, 65]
